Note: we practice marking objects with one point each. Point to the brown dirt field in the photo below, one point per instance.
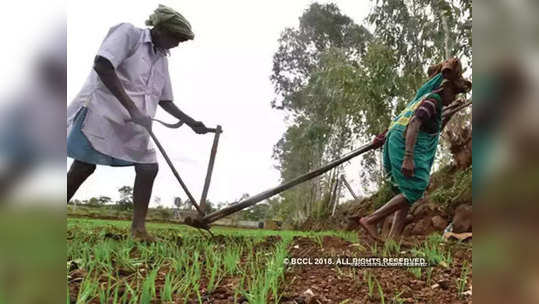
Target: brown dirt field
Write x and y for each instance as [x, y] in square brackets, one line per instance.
[332, 284]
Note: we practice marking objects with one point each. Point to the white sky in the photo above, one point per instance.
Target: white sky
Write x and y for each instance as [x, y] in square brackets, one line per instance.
[222, 77]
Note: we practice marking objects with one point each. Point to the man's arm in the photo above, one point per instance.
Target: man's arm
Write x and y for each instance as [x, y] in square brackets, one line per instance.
[411, 137]
[171, 108]
[105, 70]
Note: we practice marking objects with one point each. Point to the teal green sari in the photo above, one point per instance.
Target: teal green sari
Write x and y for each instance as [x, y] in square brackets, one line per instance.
[425, 148]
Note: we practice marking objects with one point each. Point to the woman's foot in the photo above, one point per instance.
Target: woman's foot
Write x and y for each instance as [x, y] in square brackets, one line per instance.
[371, 230]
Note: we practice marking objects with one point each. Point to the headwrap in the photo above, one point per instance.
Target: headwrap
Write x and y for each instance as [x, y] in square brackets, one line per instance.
[171, 20]
[451, 70]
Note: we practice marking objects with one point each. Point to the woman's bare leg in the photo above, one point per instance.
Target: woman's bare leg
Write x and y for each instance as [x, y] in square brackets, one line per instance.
[369, 222]
[398, 222]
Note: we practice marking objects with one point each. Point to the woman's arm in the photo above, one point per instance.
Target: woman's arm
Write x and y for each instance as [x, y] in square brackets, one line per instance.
[173, 110]
[105, 70]
[411, 137]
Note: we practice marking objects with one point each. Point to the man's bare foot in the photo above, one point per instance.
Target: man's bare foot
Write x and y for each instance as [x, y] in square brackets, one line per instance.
[371, 230]
[142, 236]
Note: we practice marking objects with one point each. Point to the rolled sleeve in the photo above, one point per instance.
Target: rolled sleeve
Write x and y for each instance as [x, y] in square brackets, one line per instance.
[426, 110]
[120, 40]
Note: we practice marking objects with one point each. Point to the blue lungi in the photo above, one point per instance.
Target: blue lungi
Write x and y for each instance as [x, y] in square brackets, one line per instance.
[79, 148]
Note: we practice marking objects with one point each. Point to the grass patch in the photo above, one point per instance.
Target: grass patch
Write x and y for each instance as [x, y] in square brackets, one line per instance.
[107, 266]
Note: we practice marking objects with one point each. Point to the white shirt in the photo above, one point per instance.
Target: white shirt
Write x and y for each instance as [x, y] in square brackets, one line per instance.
[143, 73]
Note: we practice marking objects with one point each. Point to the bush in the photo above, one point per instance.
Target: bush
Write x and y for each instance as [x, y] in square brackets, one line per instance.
[452, 188]
[165, 213]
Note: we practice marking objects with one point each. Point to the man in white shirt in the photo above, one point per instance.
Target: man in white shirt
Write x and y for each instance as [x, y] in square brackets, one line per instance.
[109, 120]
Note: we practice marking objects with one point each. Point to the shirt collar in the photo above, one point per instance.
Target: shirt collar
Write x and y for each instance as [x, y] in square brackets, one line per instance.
[147, 38]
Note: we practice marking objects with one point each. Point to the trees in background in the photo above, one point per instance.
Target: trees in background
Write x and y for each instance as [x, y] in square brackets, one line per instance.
[104, 200]
[126, 198]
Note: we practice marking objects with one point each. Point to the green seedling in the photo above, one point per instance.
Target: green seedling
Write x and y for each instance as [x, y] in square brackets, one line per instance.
[462, 280]
[397, 299]
[380, 292]
[416, 271]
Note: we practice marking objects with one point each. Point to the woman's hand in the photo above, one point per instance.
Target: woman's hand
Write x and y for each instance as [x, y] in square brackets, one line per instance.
[199, 127]
[379, 140]
[142, 119]
[408, 166]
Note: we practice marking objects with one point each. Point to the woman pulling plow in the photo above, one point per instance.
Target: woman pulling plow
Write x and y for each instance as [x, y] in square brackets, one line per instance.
[409, 144]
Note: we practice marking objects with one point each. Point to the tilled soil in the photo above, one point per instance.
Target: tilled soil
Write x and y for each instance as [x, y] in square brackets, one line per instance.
[340, 284]
[329, 283]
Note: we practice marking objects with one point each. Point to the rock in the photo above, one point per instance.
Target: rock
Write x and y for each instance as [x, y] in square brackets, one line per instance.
[352, 223]
[408, 229]
[299, 300]
[309, 296]
[407, 292]
[459, 236]
[220, 296]
[439, 223]
[423, 209]
[422, 227]
[444, 284]
[462, 221]
[74, 265]
[409, 219]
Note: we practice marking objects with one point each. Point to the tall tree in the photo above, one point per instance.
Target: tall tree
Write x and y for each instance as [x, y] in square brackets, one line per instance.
[422, 33]
[315, 109]
[103, 200]
[321, 27]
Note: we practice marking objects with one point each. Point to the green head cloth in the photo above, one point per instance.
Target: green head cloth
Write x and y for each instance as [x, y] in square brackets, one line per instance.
[172, 21]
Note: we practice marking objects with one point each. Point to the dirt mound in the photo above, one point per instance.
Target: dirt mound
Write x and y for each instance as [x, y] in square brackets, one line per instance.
[268, 243]
[335, 242]
[304, 246]
[227, 239]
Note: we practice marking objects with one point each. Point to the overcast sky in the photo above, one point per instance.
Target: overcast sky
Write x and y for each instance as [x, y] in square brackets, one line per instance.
[222, 77]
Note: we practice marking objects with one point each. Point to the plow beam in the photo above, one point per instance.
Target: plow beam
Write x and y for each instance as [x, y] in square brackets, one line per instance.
[212, 217]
